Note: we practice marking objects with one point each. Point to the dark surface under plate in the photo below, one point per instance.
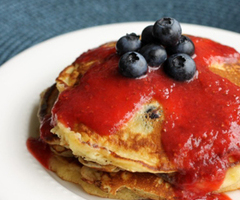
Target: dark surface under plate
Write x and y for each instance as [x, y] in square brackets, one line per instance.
[24, 23]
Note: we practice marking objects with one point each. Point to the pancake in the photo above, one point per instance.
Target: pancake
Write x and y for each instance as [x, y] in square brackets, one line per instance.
[116, 185]
[132, 148]
[147, 120]
[131, 161]
[127, 185]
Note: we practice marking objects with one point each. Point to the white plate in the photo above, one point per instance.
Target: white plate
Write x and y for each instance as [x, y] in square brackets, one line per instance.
[21, 81]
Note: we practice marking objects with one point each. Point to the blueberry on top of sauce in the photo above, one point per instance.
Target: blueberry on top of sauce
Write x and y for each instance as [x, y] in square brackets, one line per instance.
[133, 65]
[184, 45]
[157, 42]
[147, 36]
[180, 66]
[154, 54]
[167, 30]
[129, 42]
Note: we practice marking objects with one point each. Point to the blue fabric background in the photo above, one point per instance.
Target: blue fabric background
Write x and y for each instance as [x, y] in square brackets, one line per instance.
[24, 23]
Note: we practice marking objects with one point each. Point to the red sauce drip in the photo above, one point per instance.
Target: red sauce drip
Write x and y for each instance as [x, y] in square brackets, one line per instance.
[40, 150]
[202, 117]
[38, 146]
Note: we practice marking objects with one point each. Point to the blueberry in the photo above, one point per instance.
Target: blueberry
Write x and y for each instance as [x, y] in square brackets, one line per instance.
[129, 42]
[167, 30]
[185, 45]
[132, 64]
[154, 54]
[180, 67]
[147, 36]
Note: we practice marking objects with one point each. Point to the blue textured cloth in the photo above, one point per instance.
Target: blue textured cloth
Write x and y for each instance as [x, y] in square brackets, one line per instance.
[24, 23]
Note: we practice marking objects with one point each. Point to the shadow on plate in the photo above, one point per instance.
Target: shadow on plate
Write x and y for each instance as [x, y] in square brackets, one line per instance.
[33, 129]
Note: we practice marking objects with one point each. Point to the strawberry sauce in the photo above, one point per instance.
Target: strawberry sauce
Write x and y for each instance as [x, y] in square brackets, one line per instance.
[201, 129]
[40, 150]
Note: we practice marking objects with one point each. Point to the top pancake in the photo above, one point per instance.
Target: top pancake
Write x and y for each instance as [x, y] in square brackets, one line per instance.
[136, 146]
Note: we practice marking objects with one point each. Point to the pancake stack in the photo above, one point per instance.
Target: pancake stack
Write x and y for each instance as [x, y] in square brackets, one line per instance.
[131, 160]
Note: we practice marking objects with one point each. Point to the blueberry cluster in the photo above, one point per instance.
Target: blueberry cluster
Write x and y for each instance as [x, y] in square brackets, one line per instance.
[161, 44]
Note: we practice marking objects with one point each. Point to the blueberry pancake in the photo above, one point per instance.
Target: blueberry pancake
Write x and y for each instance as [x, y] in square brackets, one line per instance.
[138, 120]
